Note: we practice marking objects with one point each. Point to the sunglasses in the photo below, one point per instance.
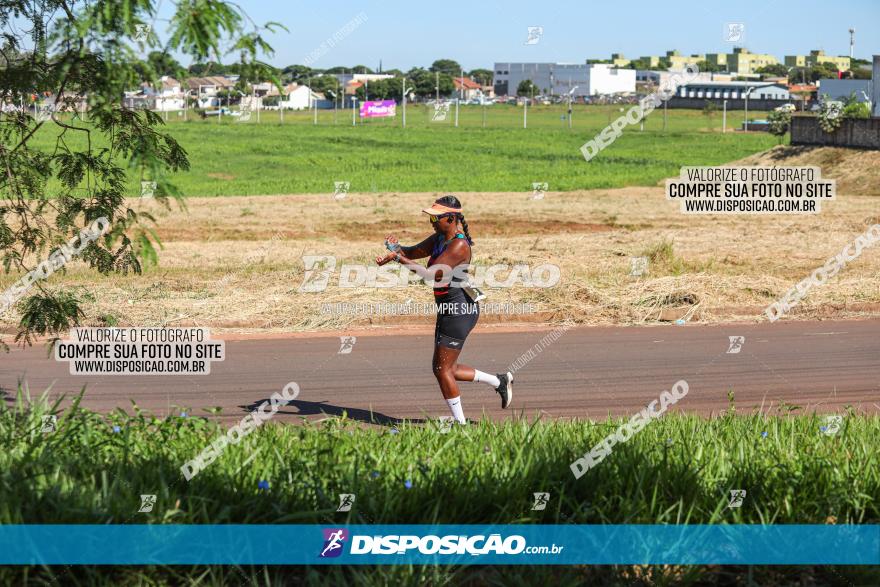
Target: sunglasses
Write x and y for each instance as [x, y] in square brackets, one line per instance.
[434, 219]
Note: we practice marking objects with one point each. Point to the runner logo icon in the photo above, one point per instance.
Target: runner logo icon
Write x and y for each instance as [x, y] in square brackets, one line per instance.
[333, 542]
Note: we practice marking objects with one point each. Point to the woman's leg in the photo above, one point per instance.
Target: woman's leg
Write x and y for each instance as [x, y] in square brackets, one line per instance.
[466, 372]
[444, 371]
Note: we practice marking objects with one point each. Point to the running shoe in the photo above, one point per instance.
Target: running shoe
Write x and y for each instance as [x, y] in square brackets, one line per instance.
[505, 390]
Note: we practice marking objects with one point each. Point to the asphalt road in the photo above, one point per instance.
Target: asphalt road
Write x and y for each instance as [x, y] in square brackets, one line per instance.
[587, 373]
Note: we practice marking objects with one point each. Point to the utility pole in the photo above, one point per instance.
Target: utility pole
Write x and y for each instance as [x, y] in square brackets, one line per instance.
[749, 91]
[460, 94]
[437, 84]
[852, 41]
[404, 90]
[664, 112]
[724, 118]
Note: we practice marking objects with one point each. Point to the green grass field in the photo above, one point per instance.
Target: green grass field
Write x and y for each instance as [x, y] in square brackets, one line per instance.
[250, 158]
[678, 470]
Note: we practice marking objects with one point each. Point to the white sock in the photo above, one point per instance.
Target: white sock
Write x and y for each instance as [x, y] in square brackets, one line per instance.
[455, 408]
[480, 377]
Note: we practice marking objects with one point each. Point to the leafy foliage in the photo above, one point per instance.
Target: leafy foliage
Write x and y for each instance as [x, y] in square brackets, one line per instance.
[66, 65]
[527, 88]
[829, 114]
[780, 122]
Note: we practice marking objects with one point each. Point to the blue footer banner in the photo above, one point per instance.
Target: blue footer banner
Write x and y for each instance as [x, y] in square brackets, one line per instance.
[439, 544]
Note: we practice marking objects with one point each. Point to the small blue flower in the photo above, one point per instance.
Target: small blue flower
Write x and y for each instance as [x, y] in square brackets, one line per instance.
[764, 434]
[183, 414]
[394, 431]
[823, 428]
[407, 484]
[263, 484]
[374, 474]
[117, 429]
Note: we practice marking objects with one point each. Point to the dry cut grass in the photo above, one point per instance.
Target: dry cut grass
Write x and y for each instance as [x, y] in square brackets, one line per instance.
[236, 263]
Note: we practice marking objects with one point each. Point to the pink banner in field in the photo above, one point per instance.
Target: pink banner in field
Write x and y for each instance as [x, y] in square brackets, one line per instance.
[378, 109]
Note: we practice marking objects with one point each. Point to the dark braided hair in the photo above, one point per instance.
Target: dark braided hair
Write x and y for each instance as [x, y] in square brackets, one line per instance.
[452, 202]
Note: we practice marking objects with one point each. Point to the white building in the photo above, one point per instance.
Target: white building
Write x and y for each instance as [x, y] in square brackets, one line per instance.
[658, 78]
[603, 78]
[347, 78]
[206, 88]
[298, 97]
[559, 78]
[168, 97]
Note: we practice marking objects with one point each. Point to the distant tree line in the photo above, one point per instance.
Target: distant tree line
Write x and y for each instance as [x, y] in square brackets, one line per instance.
[424, 82]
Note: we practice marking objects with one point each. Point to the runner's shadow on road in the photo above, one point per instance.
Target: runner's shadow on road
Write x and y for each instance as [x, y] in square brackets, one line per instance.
[324, 409]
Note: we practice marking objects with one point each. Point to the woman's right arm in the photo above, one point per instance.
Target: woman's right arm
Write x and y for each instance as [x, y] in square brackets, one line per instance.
[419, 251]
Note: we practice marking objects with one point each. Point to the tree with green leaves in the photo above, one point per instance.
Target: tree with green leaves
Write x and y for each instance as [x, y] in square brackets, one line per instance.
[853, 108]
[424, 83]
[708, 66]
[483, 77]
[710, 108]
[526, 88]
[779, 122]
[447, 66]
[296, 73]
[323, 83]
[773, 70]
[821, 71]
[383, 89]
[86, 53]
[162, 63]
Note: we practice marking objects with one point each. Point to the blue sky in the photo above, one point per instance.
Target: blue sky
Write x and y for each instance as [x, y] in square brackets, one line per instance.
[476, 34]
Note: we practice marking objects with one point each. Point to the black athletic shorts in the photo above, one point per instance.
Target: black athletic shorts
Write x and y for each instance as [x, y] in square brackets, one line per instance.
[455, 320]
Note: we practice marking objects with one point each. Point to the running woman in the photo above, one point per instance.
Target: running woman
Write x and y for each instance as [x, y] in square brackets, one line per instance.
[448, 248]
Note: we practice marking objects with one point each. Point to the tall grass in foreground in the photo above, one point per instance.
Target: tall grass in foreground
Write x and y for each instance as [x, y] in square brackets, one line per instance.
[93, 469]
[679, 469]
[405, 575]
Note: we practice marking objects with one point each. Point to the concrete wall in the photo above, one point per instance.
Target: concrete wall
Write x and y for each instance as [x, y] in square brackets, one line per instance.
[853, 132]
[876, 81]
